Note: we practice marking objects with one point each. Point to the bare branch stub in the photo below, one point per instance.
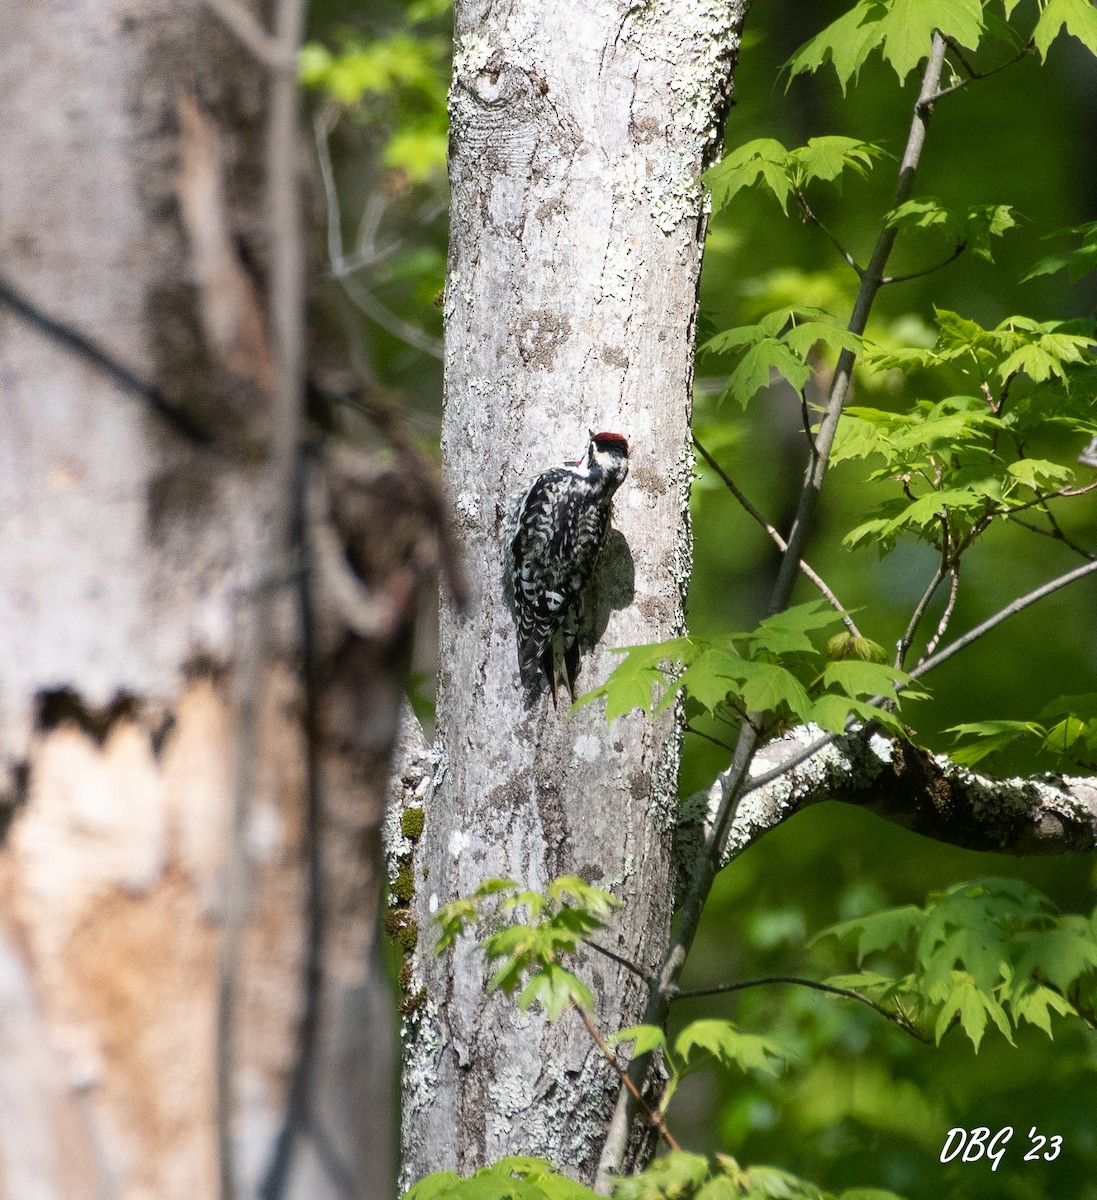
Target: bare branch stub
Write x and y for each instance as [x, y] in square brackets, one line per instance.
[242, 23]
[234, 318]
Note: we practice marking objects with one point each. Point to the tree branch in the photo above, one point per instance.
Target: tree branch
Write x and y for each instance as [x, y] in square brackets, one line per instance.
[288, 320]
[619, 959]
[90, 351]
[973, 74]
[242, 23]
[926, 793]
[809, 214]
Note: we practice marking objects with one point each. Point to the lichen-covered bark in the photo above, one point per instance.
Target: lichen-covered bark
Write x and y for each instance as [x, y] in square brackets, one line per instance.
[911, 787]
[578, 134]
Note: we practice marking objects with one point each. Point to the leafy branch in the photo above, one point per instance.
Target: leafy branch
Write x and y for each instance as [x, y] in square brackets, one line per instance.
[992, 953]
[1066, 729]
[923, 668]
[989, 955]
[559, 922]
[678, 1175]
[531, 954]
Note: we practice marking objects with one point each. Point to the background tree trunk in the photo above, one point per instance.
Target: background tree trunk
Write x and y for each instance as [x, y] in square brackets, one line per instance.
[578, 133]
[136, 376]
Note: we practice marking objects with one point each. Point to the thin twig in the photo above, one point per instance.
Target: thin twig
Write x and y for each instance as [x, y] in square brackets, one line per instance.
[373, 212]
[847, 993]
[946, 616]
[958, 50]
[654, 1117]
[1059, 535]
[1055, 533]
[1010, 610]
[947, 559]
[1041, 501]
[340, 1174]
[805, 420]
[343, 268]
[708, 737]
[959, 249]
[90, 351]
[249, 672]
[321, 127]
[809, 213]
[628, 964]
[297, 1101]
[388, 320]
[776, 537]
[919, 612]
[974, 75]
[288, 312]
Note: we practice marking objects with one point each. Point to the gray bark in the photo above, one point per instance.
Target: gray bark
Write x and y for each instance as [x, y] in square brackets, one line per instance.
[578, 134]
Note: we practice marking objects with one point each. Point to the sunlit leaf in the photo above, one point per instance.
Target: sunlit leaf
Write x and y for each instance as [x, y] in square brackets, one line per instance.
[901, 29]
[1077, 17]
[763, 160]
[675, 1174]
[645, 1038]
[729, 1046]
[989, 737]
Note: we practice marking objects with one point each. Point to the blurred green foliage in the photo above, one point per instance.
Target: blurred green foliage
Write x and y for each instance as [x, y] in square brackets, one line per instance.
[1009, 171]
[377, 80]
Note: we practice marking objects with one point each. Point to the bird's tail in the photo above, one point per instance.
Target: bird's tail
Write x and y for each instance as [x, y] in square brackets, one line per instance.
[535, 653]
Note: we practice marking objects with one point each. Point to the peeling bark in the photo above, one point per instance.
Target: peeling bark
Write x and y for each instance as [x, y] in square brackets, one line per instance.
[135, 424]
[578, 134]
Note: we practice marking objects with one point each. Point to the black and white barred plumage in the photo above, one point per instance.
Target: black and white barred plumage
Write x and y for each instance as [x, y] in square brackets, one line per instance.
[554, 536]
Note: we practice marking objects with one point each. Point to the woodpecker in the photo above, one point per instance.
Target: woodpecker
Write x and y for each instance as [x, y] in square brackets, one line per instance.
[552, 542]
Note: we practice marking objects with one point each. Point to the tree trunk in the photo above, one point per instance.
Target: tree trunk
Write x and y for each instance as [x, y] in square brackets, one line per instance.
[136, 373]
[578, 134]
